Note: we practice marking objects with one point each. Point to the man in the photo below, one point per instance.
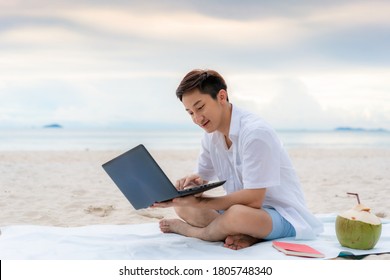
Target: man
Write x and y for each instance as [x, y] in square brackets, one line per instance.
[263, 198]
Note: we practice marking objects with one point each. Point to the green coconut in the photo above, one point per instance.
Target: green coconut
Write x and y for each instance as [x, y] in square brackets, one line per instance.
[358, 228]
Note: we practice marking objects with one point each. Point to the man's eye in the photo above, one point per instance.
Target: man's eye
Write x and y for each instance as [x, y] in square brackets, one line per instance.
[201, 107]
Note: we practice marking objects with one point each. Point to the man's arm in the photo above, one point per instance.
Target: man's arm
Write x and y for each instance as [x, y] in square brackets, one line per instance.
[249, 197]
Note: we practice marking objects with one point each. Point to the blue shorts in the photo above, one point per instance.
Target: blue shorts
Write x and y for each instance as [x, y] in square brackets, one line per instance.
[280, 226]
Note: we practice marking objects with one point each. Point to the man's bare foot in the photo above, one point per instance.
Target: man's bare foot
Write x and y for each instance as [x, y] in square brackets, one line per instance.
[240, 241]
[173, 226]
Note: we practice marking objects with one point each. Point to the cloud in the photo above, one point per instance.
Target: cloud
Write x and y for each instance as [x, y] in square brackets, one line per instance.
[109, 61]
[315, 100]
[48, 36]
[175, 27]
[104, 102]
[312, 36]
[285, 103]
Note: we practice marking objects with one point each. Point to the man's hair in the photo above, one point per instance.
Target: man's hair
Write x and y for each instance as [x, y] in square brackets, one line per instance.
[206, 81]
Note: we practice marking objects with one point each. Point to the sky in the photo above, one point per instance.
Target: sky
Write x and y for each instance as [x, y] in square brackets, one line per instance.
[107, 63]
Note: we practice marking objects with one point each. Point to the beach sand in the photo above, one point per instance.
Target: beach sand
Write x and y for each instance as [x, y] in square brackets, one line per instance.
[70, 188]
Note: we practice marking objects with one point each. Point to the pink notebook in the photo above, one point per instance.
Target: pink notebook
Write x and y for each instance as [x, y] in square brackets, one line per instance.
[295, 249]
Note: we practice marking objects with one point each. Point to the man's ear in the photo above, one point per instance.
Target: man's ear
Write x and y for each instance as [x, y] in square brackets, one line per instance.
[222, 95]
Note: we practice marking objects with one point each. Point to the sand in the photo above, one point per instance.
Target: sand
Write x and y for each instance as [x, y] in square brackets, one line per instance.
[69, 188]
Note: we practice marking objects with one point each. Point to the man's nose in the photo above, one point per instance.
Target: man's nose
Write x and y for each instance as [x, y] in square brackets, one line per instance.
[198, 118]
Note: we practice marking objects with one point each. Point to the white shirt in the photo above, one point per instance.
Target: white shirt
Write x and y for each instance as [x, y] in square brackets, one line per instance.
[257, 159]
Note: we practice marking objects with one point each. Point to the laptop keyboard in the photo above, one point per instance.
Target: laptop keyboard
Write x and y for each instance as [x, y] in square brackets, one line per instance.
[198, 187]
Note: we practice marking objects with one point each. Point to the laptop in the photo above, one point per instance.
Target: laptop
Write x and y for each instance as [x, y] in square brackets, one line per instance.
[143, 182]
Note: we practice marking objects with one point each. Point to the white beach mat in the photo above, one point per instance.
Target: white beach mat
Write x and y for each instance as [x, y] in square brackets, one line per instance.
[145, 242]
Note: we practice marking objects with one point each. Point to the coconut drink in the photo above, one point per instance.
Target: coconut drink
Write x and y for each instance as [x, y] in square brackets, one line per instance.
[358, 228]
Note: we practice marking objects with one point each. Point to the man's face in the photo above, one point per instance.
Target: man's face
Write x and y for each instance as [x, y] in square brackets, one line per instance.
[204, 110]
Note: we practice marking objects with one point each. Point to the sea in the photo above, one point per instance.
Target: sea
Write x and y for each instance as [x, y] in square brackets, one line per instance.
[57, 139]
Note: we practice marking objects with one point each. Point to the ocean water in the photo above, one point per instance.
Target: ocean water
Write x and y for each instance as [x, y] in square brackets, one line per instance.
[122, 139]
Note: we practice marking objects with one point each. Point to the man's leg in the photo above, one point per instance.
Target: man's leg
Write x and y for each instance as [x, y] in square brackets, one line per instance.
[238, 220]
[195, 216]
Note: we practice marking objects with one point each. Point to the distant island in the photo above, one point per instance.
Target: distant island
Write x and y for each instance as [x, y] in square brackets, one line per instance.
[54, 125]
[357, 129]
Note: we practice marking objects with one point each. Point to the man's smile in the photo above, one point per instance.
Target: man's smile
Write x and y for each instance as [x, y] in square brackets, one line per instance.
[205, 123]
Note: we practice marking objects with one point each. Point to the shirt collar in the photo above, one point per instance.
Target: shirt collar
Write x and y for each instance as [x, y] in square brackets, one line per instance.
[234, 128]
[234, 123]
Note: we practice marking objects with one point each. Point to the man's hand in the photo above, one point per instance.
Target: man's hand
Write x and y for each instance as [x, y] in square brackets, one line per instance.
[164, 204]
[183, 183]
[188, 181]
[189, 200]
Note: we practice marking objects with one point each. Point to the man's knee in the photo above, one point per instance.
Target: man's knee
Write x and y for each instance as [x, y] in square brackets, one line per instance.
[238, 217]
[183, 212]
[235, 211]
[233, 216]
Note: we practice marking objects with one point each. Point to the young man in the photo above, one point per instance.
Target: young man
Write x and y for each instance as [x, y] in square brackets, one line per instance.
[263, 198]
